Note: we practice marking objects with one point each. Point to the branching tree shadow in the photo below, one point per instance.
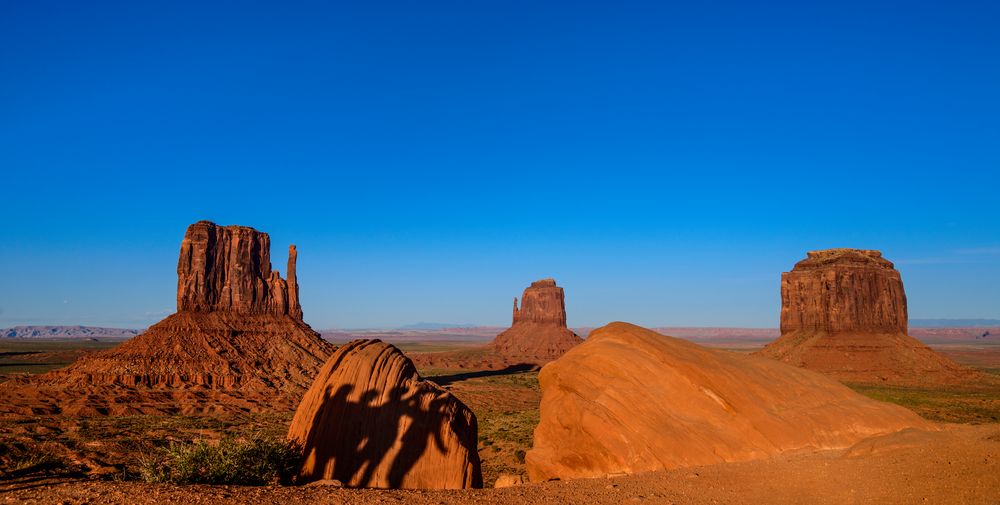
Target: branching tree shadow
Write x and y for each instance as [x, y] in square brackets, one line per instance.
[356, 437]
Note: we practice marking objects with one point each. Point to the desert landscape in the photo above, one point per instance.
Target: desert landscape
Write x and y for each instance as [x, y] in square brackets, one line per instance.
[678, 253]
[234, 398]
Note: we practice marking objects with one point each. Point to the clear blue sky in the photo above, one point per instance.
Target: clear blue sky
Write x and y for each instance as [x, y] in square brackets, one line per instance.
[665, 163]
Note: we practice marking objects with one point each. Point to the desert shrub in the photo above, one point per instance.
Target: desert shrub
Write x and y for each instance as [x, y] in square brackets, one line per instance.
[16, 459]
[255, 461]
[520, 454]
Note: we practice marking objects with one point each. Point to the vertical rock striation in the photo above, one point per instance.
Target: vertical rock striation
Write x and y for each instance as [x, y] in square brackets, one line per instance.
[843, 313]
[538, 331]
[228, 268]
[237, 340]
[843, 290]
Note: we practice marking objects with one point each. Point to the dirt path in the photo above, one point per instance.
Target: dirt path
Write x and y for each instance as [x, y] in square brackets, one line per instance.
[960, 465]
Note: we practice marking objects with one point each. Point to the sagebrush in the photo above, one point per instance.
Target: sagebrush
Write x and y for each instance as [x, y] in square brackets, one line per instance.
[256, 461]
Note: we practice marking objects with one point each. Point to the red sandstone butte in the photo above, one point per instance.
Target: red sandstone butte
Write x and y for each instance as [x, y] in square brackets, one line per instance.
[538, 331]
[843, 313]
[237, 341]
[369, 420]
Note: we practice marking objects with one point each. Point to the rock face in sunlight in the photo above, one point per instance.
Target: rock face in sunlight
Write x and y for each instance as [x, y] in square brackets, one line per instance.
[237, 341]
[631, 400]
[228, 269]
[538, 332]
[370, 421]
[843, 313]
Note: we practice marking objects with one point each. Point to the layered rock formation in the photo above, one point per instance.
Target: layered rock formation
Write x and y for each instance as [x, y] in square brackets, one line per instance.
[369, 420]
[631, 400]
[228, 269]
[237, 341]
[843, 313]
[538, 331]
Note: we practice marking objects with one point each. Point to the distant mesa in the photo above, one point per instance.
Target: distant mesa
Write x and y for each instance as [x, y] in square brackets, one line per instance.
[369, 420]
[67, 332]
[236, 342]
[538, 331]
[843, 313]
[631, 400]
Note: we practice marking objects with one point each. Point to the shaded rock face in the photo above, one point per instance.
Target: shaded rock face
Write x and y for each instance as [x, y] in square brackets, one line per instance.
[236, 343]
[631, 400]
[843, 313]
[228, 268]
[538, 332]
[843, 290]
[369, 420]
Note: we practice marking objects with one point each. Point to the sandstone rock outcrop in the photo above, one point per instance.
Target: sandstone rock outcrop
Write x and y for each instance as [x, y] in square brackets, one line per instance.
[843, 313]
[237, 341]
[538, 331]
[630, 400]
[369, 420]
[228, 269]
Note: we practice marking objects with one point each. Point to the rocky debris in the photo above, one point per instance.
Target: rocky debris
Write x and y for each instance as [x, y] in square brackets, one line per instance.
[228, 268]
[369, 420]
[508, 480]
[631, 400]
[538, 331]
[843, 313]
[237, 342]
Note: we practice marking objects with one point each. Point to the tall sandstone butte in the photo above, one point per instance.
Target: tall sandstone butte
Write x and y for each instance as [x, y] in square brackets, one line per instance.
[538, 331]
[631, 400]
[228, 269]
[843, 313]
[369, 420]
[236, 342]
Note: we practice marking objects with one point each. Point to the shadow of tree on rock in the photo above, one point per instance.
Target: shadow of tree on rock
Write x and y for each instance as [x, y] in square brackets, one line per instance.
[383, 439]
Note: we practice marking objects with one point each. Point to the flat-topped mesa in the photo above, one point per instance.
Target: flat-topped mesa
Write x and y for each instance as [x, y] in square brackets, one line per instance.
[843, 313]
[543, 302]
[228, 269]
[843, 290]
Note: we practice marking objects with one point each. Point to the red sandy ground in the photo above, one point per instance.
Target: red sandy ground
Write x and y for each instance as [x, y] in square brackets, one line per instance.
[960, 465]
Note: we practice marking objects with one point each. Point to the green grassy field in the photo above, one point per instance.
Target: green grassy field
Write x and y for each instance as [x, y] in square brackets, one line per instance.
[40, 356]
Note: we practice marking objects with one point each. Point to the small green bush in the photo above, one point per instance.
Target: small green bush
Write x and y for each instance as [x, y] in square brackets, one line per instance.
[254, 462]
[16, 459]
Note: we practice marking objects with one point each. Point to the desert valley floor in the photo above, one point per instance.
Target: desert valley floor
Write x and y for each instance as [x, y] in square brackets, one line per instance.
[67, 459]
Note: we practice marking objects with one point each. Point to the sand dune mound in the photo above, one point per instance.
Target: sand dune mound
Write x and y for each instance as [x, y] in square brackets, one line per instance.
[369, 420]
[237, 342]
[632, 400]
[843, 313]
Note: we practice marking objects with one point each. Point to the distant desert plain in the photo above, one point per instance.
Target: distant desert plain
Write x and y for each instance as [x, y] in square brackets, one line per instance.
[235, 399]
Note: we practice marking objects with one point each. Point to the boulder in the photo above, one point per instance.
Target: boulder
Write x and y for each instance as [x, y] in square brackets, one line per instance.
[631, 400]
[369, 420]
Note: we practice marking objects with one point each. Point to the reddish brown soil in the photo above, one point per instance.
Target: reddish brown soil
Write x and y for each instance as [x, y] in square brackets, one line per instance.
[188, 363]
[958, 466]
